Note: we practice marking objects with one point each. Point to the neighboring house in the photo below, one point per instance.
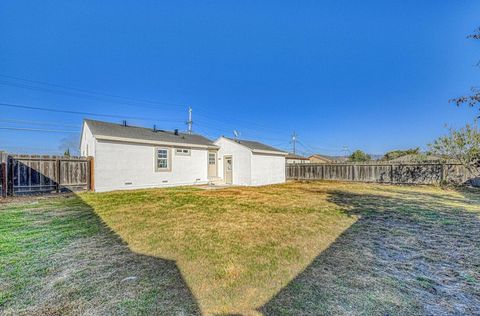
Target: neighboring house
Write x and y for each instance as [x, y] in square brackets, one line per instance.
[248, 162]
[316, 158]
[130, 157]
[293, 158]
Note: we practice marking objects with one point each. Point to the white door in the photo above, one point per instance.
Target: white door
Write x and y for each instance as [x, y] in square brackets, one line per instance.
[212, 164]
[228, 169]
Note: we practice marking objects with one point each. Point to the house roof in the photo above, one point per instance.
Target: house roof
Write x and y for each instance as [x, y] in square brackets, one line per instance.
[322, 157]
[112, 131]
[295, 156]
[257, 146]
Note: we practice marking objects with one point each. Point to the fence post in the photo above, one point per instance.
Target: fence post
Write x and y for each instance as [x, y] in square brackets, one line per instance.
[11, 176]
[442, 173]
[59, 178]
[91, 178]
[4, 179]
[391, 174]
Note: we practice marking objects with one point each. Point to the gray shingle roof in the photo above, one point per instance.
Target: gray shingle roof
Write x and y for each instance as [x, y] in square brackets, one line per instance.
[253, 145]
[99, 128]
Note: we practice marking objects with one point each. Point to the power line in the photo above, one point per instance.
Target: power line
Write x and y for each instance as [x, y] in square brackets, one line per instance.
[84, 91]
[27, 107]
[102, 94]
[37, 130]
[27, 148]
[8, 120]
[313, 148]
[226, 131]
[236, 121]
[77, 95]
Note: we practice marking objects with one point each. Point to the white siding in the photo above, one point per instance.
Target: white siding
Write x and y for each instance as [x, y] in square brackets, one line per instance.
[87, 144]
[267, 169]
[120, 166]
[242, 159]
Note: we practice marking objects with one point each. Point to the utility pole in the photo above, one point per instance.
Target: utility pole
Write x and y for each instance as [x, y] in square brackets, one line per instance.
[190, 122]
[294, 142]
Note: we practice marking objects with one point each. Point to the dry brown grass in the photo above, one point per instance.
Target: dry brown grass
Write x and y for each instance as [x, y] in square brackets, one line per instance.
[235, 247]
[297, 248]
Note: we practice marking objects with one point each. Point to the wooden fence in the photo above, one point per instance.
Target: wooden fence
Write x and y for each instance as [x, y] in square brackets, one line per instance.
[35, 174]
[419, 173]
[3, 173]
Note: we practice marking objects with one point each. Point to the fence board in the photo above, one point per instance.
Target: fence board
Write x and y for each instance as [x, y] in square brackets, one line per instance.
[3, 174]
[415, 173]
[45, 174]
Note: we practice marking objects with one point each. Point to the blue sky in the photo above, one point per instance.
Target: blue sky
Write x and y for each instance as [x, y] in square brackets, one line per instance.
[371, 75]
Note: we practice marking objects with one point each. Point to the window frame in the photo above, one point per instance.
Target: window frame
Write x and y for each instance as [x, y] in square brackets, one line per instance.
[214, 158]
[168, 159]
[189, 153]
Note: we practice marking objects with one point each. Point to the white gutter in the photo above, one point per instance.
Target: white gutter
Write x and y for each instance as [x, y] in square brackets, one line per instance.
[153, 142]
[270, 152]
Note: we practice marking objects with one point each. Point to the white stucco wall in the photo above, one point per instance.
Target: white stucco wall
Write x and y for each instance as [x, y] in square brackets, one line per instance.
[267, 169]
[121, 166]
[241, 160]
[87, 143]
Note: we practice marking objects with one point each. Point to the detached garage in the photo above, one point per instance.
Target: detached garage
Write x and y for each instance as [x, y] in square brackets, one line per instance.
[245, 162]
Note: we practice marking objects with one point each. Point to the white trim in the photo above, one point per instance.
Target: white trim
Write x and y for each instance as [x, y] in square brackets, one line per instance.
[269, 152]
[255, 151]
[215, 153]
[169, 159]
[188, 153]
[149, 186]
[151, 142]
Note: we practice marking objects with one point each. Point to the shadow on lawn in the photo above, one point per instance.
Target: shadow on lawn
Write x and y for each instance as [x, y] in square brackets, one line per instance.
[80, 266]
[407, 254]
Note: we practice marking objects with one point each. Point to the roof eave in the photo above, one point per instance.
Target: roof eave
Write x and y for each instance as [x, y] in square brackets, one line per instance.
[271, 152]
[153, 142]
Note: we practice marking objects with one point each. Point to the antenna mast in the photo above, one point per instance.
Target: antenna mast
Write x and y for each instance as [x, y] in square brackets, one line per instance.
[294, 142]
[190, 122]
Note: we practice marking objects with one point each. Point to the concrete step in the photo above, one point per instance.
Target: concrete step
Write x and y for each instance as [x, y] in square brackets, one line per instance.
[216, 181]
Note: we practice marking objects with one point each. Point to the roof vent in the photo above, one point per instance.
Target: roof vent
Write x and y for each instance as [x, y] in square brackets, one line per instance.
[176, 131]
[124, 123]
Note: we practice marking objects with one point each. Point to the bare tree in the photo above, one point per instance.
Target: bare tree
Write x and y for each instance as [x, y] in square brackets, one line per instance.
[462, 146]
[474, 98]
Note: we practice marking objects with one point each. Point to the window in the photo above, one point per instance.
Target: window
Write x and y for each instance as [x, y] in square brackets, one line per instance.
[162, 159]
[182, 152]
[211, 158]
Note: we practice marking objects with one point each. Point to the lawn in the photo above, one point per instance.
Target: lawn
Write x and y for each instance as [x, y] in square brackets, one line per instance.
[296, 248]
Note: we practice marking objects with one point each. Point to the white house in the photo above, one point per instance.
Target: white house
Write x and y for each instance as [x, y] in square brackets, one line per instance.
[247, 162]
[294, 158]
[130, 157]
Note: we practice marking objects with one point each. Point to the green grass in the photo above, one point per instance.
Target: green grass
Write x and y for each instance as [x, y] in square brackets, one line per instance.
[297, 248]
